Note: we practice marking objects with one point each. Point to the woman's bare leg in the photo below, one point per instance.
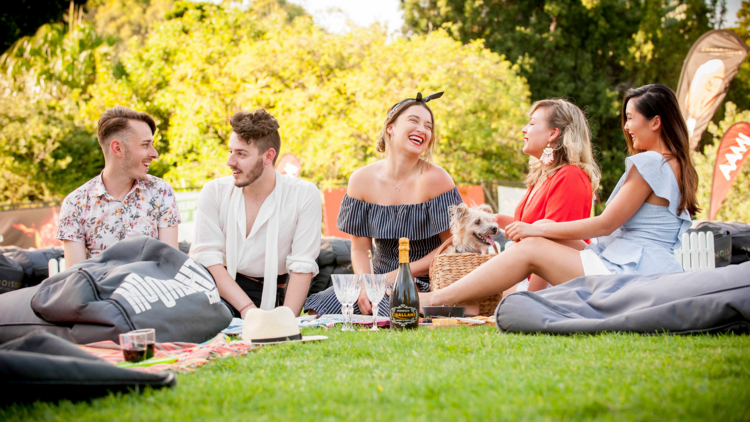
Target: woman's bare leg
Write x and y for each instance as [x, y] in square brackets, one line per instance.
[511, 290]
[548, 259]
[537, 283]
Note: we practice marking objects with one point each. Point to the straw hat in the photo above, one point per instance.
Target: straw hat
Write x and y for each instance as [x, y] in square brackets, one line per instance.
[274, 326]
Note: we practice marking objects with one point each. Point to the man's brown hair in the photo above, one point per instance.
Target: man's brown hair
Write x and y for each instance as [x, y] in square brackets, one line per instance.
[257, 128]
[115, 120]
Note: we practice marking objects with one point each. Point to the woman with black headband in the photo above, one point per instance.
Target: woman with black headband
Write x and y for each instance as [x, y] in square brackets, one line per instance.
[403, 195]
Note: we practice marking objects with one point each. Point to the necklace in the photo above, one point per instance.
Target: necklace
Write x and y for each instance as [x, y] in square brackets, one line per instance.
[398, 186]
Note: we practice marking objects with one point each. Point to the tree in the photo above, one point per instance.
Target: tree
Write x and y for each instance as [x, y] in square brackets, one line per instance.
[739, 93]
[191, 72]
[24, 17]
[43, 79]
[329, 92]
[589, 51]
[121, 20]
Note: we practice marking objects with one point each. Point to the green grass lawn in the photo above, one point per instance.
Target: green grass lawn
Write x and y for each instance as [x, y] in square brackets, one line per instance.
[447, 374]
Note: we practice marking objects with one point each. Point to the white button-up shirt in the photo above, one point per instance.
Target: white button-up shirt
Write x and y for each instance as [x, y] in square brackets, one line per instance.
[221, 226]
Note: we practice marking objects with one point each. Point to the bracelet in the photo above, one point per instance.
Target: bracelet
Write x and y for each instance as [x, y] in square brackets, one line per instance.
[246, 306]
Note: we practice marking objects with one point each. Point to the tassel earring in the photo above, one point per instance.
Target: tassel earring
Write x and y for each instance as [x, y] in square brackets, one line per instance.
[547, 155]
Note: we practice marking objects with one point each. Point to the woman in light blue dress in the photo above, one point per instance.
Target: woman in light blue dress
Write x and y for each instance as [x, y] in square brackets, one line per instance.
[637, 233]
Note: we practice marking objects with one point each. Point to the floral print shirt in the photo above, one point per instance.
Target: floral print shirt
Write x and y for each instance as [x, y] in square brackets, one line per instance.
[92, 216]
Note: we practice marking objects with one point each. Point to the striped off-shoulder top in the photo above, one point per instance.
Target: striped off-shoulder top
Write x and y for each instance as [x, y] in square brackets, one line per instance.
[385, 224]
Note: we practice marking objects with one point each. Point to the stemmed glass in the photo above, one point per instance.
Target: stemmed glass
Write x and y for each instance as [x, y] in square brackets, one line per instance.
[375, 285]
[346, 287]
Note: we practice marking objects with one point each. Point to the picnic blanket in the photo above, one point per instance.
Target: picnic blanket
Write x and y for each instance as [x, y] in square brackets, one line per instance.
[707, 301]
[331, 320]
[189, 355]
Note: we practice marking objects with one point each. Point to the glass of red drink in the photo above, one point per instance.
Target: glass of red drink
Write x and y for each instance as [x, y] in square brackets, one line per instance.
[150, 338]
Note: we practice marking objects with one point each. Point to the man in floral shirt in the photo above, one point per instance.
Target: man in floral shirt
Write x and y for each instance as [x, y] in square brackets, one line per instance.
[124, 200]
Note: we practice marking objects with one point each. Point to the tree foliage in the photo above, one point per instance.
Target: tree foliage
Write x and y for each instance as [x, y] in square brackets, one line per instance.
[19, 18]
[193, 71]
[43, 80]
[589, 51]
[739, 93]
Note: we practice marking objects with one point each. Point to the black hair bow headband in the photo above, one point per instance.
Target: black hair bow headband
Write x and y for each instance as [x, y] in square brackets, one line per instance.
[419, 99]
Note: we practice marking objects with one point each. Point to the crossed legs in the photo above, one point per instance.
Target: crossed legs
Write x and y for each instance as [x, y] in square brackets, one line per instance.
[548, 259]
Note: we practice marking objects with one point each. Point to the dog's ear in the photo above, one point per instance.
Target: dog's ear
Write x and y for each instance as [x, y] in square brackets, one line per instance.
[485, 208]
[458, 211]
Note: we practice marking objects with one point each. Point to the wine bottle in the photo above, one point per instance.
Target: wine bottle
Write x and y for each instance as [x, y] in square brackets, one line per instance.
[404, 298]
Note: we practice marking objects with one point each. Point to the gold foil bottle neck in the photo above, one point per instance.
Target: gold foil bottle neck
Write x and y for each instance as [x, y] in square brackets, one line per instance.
[403, 243]
[403, 250]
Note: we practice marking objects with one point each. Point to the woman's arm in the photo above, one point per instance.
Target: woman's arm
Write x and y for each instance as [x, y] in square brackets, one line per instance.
[360, 260]
[628, 201]
[361, 265]
[503, 220]
[421, 267]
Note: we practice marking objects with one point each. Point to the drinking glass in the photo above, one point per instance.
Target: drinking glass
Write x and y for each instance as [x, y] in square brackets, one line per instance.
[353, 287]
[133, 346]
[346, 287]
[150, 335]
[375, 285]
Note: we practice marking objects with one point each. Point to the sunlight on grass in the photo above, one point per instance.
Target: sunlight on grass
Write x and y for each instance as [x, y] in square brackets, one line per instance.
[451, 374]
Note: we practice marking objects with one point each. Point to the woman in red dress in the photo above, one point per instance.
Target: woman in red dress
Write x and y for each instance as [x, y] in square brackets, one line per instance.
[563, 175]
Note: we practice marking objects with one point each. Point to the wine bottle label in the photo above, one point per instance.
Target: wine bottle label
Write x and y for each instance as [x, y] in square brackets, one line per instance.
[404, 315]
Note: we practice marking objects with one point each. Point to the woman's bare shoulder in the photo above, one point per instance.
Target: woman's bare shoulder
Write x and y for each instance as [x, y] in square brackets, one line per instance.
[363, 180]
[436, 181]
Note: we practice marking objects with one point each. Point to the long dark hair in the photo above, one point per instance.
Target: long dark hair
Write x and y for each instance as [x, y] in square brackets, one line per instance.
[659, 100]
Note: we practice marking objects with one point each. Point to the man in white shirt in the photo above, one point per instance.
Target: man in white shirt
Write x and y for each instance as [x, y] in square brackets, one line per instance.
[258, 232]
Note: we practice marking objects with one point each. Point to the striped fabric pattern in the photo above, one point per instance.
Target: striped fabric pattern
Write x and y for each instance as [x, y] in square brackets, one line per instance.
[189, 355]
[385, 224]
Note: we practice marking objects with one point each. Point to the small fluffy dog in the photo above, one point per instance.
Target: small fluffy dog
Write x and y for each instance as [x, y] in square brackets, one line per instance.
[472, 228]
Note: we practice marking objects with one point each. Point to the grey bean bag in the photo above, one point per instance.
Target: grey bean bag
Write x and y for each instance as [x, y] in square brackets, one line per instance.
[139, 282]
[707, 301]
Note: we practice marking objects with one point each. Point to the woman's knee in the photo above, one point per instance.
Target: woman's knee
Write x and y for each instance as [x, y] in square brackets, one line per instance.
[532, 249]
[531, 244]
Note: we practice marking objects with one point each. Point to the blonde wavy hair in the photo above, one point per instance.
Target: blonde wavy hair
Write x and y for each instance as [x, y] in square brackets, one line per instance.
[572, 146]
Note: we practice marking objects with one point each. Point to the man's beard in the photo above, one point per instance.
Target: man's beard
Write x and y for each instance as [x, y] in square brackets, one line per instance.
[132, 165]
[252, 175]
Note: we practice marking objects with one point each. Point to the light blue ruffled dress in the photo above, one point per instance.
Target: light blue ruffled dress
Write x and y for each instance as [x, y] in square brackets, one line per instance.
[645, 244]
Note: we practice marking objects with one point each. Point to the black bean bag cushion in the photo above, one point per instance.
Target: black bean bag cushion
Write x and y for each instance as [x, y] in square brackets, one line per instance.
[41, 366]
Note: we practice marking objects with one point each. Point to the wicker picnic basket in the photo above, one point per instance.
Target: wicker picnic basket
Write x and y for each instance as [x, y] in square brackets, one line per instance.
[446, 269]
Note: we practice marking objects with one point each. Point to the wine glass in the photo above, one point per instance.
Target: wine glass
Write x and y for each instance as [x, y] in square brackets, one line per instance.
[346, 287]
[353, 289]
[375, 285]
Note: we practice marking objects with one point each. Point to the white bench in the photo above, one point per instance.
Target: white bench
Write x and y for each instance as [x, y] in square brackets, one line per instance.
[55, 267]
[696, 252]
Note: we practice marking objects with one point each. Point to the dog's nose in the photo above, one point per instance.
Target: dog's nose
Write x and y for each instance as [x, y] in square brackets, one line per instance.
[494, 231]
